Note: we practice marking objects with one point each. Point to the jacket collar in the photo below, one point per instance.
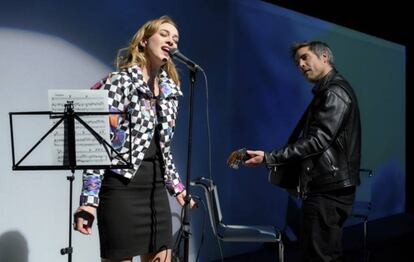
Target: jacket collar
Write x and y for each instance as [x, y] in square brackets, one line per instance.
[167, 86]
[322, 84]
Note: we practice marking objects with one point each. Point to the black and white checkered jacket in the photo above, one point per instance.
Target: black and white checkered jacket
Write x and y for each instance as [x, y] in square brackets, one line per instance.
[127, 92]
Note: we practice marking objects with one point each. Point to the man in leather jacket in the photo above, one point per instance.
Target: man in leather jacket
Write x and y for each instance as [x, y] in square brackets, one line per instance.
[324, 150]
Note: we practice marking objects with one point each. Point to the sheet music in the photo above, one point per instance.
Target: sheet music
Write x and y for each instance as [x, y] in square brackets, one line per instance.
[88, 150]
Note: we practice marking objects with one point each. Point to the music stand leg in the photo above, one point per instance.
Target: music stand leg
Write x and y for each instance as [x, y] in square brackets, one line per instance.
[69, 250]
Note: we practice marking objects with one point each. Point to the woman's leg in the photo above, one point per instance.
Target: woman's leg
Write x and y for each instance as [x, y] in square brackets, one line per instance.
[109, 260]
[162, 256]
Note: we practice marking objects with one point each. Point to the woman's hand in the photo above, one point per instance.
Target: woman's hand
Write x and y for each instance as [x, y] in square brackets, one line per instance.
[80, 223]
[181, 200]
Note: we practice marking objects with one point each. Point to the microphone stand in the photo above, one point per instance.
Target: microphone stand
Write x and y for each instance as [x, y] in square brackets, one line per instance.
[185, 226]
[186, 219]
[185, 230]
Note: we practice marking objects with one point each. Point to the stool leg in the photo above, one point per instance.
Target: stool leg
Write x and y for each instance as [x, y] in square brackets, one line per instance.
[281, 251]
[365, 240]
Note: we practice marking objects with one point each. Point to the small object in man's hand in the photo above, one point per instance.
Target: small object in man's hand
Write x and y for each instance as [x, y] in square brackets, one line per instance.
[237, 157]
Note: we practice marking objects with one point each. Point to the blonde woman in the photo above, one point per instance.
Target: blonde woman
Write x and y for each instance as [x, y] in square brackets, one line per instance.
[131, 205]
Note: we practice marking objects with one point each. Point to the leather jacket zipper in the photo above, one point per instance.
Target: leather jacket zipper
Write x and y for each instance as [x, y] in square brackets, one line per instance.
[302, 187]
[333, 167]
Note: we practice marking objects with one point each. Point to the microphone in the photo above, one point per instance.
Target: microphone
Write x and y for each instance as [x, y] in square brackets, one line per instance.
[174, 52]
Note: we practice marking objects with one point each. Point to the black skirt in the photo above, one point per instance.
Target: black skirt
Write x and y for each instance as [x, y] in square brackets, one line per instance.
[134, 216]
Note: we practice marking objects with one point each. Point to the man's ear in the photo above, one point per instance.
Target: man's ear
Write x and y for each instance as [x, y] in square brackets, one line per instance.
[325, 57]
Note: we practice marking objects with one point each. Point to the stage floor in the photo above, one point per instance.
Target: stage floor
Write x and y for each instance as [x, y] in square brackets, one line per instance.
[389, 239]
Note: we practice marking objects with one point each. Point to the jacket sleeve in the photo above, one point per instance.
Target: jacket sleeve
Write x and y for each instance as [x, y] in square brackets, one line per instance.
[171, 177]
[91, 184]
[324, 123]
[118, 86]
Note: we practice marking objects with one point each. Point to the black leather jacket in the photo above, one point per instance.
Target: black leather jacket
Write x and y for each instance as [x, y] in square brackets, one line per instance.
[326, 144]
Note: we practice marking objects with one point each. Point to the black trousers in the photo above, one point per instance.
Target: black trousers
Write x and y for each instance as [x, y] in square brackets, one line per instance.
[323, 216]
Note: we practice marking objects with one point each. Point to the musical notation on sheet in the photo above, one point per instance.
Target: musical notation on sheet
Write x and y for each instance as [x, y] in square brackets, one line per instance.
[89, 151]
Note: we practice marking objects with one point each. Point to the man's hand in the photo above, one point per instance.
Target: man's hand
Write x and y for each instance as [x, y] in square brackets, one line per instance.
[256, 158]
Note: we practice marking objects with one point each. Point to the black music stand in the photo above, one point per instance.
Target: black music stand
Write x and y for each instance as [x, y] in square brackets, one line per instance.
[68, 118]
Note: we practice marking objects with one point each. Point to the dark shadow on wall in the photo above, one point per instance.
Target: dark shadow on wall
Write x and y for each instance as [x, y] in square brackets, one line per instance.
[13, 247]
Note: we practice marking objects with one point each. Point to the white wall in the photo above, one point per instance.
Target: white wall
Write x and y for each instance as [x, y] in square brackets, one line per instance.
[34, 204]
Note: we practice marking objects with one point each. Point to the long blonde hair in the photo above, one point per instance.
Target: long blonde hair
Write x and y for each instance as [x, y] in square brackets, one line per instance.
[134, 53]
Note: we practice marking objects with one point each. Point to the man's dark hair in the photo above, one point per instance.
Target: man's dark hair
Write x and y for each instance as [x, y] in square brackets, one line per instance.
[317, 47]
